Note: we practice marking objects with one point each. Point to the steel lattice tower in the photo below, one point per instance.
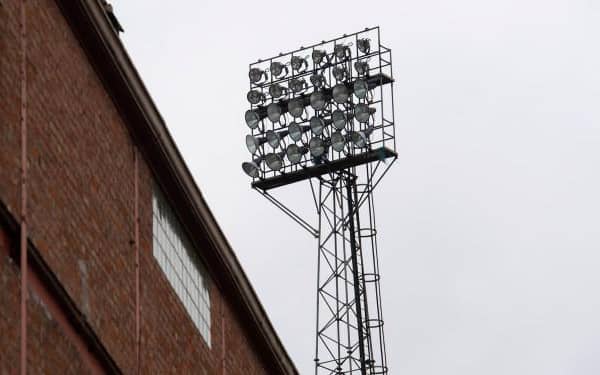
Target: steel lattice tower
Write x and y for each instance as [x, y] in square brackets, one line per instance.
[341, 139]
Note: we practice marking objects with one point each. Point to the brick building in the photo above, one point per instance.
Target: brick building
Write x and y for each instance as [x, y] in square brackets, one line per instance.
[126, 269]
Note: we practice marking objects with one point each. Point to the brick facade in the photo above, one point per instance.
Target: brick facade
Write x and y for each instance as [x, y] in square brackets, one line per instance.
[81, 215]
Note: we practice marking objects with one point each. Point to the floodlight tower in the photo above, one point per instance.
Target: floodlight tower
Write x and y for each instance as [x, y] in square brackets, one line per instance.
[325, 114]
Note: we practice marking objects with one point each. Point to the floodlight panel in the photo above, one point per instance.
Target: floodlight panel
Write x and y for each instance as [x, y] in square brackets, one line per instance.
[343, 108]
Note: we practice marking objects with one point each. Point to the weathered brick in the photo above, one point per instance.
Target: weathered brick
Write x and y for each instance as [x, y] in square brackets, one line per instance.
[81, 215]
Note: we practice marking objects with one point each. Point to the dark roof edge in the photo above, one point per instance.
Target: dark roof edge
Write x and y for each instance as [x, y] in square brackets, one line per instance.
[110, 59]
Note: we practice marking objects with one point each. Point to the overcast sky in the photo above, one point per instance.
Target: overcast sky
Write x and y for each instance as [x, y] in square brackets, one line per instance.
[489, 223]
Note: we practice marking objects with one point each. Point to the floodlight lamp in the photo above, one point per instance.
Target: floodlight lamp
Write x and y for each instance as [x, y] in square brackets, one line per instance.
[298, 84]
[296, 130]
[299, 64]
[296, 107]
[317, 100]
[274, 160]
[361, 88]
[358, 139]
[317, 80]
[294, 153]
[277, 69]
[341, 93]
[362, 68]
[255, 97]
[317, 147]
[317, 124]
[256, 75]
[252, 118]
[252, 143]
[274, 138]
[277, 91]
[274, 112]
[361, 138]
[364, 45]
[319, 55]
[362, 112]
[339, 119]
[342, 51]
[339, 73]
[251, 168]
[338, 141]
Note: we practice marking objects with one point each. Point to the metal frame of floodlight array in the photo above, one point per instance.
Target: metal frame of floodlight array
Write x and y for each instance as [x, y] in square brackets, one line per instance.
[380, 81]
[349, 329]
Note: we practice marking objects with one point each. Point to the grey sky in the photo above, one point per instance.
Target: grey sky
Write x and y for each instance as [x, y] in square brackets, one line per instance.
[489, 222]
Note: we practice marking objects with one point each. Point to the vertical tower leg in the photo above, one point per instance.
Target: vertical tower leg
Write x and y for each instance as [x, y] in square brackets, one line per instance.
[348, 339]
[359, 290]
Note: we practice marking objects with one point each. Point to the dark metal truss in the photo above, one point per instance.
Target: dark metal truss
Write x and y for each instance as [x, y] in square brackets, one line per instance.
[349, 323]
[349, 328]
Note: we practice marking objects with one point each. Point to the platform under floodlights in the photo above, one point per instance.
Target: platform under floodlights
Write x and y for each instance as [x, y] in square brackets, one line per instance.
[325, 114]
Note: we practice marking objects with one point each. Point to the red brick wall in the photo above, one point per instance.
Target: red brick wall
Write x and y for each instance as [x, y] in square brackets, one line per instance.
[9, 309]
[9, 103]
[49, 348]
[81, 205]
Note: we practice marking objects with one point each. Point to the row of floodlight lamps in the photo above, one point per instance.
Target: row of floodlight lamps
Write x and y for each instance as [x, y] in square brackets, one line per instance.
[317, 124]
[318, 101]
[299, 65]
[317, 146]
[299, 85]
[295, 131]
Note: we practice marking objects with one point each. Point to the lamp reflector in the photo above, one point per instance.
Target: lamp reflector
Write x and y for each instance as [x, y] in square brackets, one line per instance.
[339, 73]
[317, 100]
[364, 45]
[341, 93]
[358, 139]
[274, 161]
[341, 51]
[361, 67]
[250, 168]
[361, 138]
[338, 141]
[294, 153]
[296, 107]
[252, 143]
[317, 80]
[339, 119]
[317, 125]
[277, 69]
[274, 112]
[273, 138]
[255, 97]
[297, 85]
[362, 112]
[256, 74]
[361, 88]
[296, 130]
[299, 64]
[316, 146]
[276, 90]
[252, 118]
[318, 56]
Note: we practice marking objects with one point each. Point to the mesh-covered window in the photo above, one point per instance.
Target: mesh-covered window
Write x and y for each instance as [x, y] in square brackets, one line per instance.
[178, 260]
